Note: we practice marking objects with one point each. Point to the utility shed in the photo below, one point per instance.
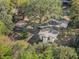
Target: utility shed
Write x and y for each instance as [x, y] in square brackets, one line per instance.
[48, 36]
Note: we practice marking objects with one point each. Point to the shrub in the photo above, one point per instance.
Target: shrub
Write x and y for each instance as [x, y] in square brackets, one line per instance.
[48, 52]
[2, 28]
[9, 49]
[5, 48]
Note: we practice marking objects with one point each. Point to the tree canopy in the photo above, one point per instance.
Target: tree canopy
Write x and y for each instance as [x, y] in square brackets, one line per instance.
[43, 10]
[5, 13]
[2, 28]
[49, 52]
[74, 13]
[20, 3]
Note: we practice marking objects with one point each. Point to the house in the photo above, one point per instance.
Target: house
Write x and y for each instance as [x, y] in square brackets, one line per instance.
[48, 36]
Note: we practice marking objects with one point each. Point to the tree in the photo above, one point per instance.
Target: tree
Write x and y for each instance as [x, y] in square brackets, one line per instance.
[75, 41]
[2, 28]
[64, 53]
[39, 11]
[5, 14]
[74, 12]
[49, 52]
[20, 3]
[5, 49]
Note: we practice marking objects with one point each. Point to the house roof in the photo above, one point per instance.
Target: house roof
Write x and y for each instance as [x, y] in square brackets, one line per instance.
[52, 31]
[48, 33]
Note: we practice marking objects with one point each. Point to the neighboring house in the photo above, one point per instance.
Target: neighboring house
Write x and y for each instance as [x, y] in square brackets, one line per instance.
[48, 36]
[49, 33]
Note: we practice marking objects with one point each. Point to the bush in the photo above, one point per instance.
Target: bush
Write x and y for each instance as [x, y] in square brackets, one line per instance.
[5, 48]
[9, 48]
[64, 53]
[21, 50]
[48, 52]
[2, 28]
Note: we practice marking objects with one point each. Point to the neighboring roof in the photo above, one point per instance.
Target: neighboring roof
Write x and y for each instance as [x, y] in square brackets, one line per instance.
[61, 23]
[20, 23]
